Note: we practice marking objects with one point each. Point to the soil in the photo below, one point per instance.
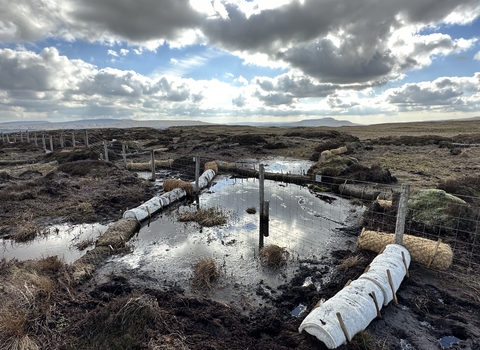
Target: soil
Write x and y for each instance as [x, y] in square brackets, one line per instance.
[72, 185]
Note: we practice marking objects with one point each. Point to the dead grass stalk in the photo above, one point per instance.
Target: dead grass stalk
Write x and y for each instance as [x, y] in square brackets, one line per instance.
[273, 256]
[205, 273]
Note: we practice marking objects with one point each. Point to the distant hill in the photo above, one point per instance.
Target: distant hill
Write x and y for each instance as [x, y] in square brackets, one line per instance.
[332, 122]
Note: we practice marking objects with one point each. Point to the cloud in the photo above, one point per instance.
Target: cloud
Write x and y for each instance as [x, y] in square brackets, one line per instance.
[447, 94]
[239, 101]
[112, 53]
[477, 56]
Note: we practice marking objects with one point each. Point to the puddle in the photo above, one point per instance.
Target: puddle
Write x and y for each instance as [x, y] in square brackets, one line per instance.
[298, 310]
[60, 241]
[283, 165]
[447, 341]
[165, 250]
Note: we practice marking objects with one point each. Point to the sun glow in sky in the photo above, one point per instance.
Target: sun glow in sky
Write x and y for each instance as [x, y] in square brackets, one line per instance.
[239, 61]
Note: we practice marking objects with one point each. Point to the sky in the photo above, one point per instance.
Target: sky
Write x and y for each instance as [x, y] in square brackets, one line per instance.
[232, 61]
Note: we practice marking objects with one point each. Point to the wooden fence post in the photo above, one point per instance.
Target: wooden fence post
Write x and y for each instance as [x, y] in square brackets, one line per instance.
[43, 142]
[196, 159]
[73, 139]
[261, 180]
[402, 214]
[62, 140]
[154, 175]
[106, 150]
[86, 139]
[51, 143]
[21, 137]
[36, 140]
[28, 136]
[124, 154]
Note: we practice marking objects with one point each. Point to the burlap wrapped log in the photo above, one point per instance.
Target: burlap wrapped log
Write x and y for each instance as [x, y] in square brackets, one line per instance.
[170, 184]
[148, 166]
[433, 254]
[211, 165]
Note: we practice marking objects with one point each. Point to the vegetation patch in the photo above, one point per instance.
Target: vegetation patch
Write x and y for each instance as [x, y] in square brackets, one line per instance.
[205, 272]
[205, 217]
[273, 256]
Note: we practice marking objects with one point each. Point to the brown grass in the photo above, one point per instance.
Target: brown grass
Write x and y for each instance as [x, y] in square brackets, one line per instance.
[211, 165]
[27, 232]
[350, 262]
[171, 184]
[205, 273]
[205, 217]
[84, 244]
[50, 264]
[273, 256]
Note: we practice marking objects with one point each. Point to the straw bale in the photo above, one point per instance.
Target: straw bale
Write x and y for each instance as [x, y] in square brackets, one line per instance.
[430, 253]
[163, 162]
[118, 233]
[158, 150]
[170, 184]
[211, 165]
[326, 154]
[384, 203]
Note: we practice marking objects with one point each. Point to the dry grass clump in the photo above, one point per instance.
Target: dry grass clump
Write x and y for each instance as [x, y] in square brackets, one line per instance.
[350, 262]
[171, 184]
[50, 264]
[205, 217]
[82, 245]
[273, 256]
[211, 165]
[26, 233]
[205, 273]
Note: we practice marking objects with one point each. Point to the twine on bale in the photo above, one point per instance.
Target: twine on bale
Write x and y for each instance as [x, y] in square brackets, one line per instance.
[433, 254]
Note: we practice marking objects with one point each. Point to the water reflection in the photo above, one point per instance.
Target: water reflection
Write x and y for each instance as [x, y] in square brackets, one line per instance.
[59, 240]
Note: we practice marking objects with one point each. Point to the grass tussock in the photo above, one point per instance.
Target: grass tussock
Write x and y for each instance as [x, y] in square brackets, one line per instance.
[26, 232]
[50, 264]
[350, 262]
[171, 184]
[205, 217]
[273, 256]
[205, 272]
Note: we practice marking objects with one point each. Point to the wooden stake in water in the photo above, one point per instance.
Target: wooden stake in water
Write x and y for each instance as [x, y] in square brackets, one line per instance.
[261, 183]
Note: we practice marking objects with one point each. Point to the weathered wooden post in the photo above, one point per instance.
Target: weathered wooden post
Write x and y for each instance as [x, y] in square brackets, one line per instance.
[86, 139]
[62, 140]
[265, 218]
[152, 156]
[36, 140]
[3, 137]
[196, 159]
[28, 136]
[402, 214]
[21, 137]
[51, 143]
[43, 142]
[261, 180]
[8, 139]
[73, 139]
[124, 154]
[106, 150]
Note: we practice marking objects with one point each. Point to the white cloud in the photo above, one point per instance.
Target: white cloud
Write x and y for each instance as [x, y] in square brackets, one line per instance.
[124, 52]
[112, 53]
[477, 56]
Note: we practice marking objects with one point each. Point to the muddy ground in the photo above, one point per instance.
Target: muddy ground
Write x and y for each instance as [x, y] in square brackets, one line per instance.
[72, 185]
